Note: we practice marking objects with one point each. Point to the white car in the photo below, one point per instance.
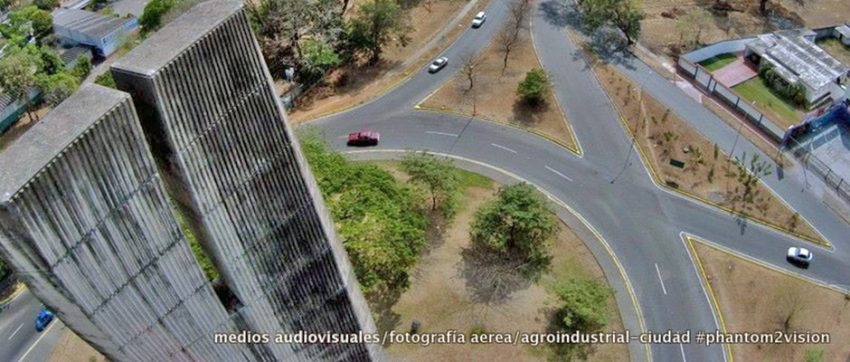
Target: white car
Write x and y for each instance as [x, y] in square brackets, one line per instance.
[438, 64]
[479, 20]
[799, 256]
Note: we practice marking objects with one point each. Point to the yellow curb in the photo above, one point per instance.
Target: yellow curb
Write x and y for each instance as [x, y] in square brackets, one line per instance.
[657, 181]
[714, 304]
[599, 237]
[578, 150]
[19, 288]
[769, 266]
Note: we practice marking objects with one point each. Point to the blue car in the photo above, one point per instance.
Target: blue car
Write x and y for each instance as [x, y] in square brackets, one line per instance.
[44, 318]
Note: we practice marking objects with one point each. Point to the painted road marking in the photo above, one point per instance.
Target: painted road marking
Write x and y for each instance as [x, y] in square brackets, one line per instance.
[658, 271]
[32, 346]
[559, 174]
[503, 147]
[15, 332]
[682, 348]
[442, 133]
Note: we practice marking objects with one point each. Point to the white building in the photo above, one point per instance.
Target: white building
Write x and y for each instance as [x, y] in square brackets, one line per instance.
[797, 59]
[102, 32]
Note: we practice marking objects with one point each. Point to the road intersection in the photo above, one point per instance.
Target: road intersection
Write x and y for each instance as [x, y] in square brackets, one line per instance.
[608, 186]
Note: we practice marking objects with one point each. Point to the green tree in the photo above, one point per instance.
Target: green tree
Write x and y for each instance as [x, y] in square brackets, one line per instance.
[438, 176]
[32, 18]
[622, 14]
[582, 306]
[152, 15]
[378, 218]
[46, 4]
[535, 87]
[82, 68]
[106, 80]
[518, 223]
[56, 87]
[51, 63]
[318, 58]
[377, 24]
[18, 77]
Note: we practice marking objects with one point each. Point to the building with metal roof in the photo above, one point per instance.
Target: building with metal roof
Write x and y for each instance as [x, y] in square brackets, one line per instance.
[797, 59]
[102, 32]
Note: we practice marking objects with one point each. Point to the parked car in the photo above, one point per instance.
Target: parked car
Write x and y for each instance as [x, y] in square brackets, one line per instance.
[438, 64]
[363, 138]
[43, 319]
[479, 20]
[799, 256]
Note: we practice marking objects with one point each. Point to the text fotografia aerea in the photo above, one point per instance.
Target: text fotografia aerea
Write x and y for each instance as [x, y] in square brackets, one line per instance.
[247, 337]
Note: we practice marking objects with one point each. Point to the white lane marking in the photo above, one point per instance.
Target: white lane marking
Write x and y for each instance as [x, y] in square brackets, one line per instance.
[658, 271]
[559, 174]
[15, 332]
[442, 133]
[24, 356]
[503, 147]
[682, 348]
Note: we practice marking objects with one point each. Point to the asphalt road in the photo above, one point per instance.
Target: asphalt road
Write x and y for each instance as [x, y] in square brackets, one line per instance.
[608, 185]
[17, 326]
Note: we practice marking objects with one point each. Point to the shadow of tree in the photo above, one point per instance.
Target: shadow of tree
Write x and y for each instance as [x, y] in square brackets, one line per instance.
[528, 115]
[491, 276]
[381, 305]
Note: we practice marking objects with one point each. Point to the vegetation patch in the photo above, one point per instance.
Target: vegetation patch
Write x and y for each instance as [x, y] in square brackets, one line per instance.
[683, 159]
[769, 101]
[753, 298]
[718, 62]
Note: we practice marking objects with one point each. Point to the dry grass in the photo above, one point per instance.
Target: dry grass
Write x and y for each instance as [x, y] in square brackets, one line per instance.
[753, 298]
[494, 97]
[663, 136]
[660, 34]
[355, 84]
[442, 298]
[71, 348]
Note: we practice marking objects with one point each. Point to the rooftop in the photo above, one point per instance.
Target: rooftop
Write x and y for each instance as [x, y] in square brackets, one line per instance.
[793, 50]
[167, 43]
[92, 24]
[844, 30]
[46, 140]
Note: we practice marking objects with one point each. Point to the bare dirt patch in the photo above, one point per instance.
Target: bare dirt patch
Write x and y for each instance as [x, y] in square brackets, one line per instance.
[660, 34]
[357, 83]
[707, 172]
[753, 298]
[494, 97]
[71, 348]
[442, 298]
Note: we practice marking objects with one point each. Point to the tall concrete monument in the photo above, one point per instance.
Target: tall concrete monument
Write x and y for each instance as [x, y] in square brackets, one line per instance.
[233, 167]
[85, 222]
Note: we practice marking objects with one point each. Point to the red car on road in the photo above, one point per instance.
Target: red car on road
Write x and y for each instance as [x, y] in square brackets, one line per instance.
[363, 138]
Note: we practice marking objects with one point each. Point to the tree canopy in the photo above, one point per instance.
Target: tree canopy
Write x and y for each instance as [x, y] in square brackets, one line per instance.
[378, 218]
[582, 305]
[151, 17]
[377, 24]
[23, 21]
[438, 176]
[518, 223]
[535, 87]
[622, 14]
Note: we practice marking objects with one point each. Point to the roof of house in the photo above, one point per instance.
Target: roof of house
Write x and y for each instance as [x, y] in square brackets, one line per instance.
[90, 23]
[71, 55]
[5, 100]
[792, 50]
[844, 30]
[24, 158]
[170, 41]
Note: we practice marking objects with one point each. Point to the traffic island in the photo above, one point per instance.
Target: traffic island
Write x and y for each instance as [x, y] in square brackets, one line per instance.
[681, 159]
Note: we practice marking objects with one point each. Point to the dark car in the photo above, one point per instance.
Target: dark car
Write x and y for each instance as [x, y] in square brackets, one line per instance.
[43, 319]
[363, 138]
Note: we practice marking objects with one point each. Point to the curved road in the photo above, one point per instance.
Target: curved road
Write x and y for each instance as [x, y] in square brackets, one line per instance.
[608, 185]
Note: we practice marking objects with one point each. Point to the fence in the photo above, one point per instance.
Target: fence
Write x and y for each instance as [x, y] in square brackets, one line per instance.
[832, 179]
[706, 81]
